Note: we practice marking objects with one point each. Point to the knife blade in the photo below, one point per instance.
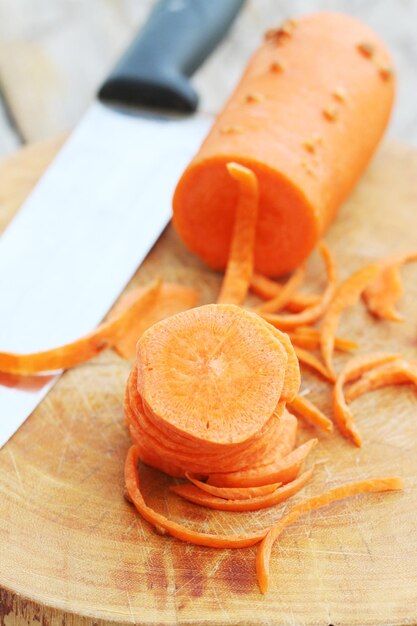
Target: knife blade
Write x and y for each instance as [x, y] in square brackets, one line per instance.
[104, 201]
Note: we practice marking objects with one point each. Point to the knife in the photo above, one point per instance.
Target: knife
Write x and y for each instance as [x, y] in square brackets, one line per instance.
[103, 202]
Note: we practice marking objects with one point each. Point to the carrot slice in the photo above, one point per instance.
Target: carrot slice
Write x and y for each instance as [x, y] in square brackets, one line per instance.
[351, 371]
[173, 528]
[347, 294]
[308, 411]
[104, 336]
[278, 302]
[197, 496]
[266, 288]
[232, 493]
[283, 470]
[239, 268]
[313, 313]
[394, 373]
[307, 358]
[384, 292]
[370, 485]
[309, 338]
[172, 298]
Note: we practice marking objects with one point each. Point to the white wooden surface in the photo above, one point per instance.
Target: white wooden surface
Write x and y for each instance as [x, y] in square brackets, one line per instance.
[55, 53]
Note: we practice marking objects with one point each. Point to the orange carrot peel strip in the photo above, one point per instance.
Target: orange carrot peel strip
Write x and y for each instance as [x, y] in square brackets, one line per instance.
[395, 373]
[309, 338]
[347, 294]
[173, 528]
[232, 493]
[371, 485]
[278, 302]
[104, 336]
[308, 411]
[239, 268]
[313, 313]
[307, 358]
[197, 496]
[351, 371]
[383, 293]
[266, 288]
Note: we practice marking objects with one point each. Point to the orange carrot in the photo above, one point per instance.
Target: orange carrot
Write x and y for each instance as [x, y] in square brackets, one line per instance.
[308, 411]
[173, 528]
[314, 313]
[394, 373]
[307, 358]
[239, 268]
[347, 295]
[309, 338]
[232, 493]
[278, 302]
[306, 150]
[267, 289]
[370, 485]
[172, 298]
[351, 371]
[105, 336]
[283, 470]
[197, 496]
[382, 295]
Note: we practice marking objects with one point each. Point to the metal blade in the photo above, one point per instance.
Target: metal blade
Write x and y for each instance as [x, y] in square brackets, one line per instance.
[83, 231]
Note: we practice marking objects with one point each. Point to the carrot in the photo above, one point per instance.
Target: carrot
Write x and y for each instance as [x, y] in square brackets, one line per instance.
[315, 312]
[392, 373]
[267, 289]
[173, 528]
[283, 470]
[306, 150]
[370, 485]
[196, 373]
[197, 496]
[104, 336]
[347, 295]
[307, 358]
[381, 295]
[232, 493]
[351, 371]
[172, 298]
[308, 411]
[309, 338]
[278, 302]
[239, 268]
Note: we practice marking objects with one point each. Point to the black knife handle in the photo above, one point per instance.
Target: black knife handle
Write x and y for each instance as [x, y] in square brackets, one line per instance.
[174, 42]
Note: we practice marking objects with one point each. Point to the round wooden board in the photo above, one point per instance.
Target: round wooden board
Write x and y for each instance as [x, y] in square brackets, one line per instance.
[72, 551]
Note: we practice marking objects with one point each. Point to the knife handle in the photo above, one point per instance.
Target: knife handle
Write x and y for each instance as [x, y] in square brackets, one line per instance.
[176, 39]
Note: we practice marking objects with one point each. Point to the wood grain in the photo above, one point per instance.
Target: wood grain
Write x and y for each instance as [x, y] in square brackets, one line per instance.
[74, 552]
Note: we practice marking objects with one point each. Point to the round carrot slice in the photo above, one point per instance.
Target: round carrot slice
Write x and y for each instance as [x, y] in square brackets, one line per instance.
[196, 373]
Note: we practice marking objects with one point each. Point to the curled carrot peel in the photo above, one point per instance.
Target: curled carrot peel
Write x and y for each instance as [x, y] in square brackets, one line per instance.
[266, 288]
[394, 373]
[346, 295]
[383, 293]
[351, 371]
[173, 528]
[308, 411]
[370, 485]
[307, 358]
[239, 268]
[314, 313]
[232, 493]
[278, 302]
[105, 336]
[309, 338]
[197, 496]
[283, 470]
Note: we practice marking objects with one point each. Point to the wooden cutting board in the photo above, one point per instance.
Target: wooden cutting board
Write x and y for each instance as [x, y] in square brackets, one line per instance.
[72, 551]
